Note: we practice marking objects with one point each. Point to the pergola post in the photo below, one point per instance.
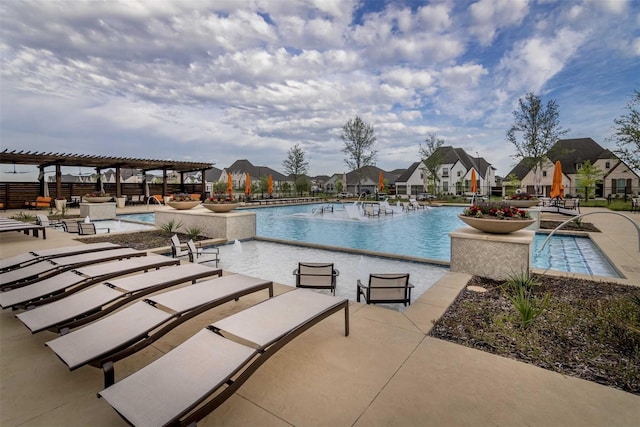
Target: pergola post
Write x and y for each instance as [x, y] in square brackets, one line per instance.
[164, 182]
[118, 189]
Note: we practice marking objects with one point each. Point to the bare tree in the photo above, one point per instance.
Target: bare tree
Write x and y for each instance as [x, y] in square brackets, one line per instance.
[295, 164]
[627, 134]
[358, 138]
[431, 158]
[536, 128]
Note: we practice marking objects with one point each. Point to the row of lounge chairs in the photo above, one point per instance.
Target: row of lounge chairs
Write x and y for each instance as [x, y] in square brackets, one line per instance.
[193, 379]
[9, 225]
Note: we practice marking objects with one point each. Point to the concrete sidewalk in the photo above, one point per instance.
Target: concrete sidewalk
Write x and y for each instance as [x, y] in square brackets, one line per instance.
[388, 372]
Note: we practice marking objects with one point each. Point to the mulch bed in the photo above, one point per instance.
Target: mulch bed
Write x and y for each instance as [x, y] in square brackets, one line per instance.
[570, 226]
[141, 240]
[589, 330]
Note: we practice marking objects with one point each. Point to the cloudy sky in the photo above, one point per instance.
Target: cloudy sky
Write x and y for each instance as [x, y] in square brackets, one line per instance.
[220, 80]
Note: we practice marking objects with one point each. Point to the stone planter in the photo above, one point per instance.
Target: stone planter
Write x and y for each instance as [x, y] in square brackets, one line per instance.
[61, 204]
[496, 226]
[121, 202]
[522, 203]
[188, 204]
[221, 207]
[98, 199]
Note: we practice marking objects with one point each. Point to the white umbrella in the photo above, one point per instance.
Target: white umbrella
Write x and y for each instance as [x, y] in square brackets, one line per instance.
[146, 188]
[46, 189]
[100, 178]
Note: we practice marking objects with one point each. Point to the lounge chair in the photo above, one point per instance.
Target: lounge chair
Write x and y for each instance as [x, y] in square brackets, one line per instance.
[40, 255]
[123, 333]
[386, 288]
[371, 211]
[66, 283]
[8, 225]
[45, 221]
[415, 204]
[86, 228]
[97, 301]
[406, 206]
[186, 384]
[635, 204]
[572, 204]
[200, 255]
[40, 270]
[316, 276]
[40, 202]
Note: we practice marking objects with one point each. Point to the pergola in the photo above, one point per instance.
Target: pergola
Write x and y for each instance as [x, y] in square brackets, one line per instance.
[43, 160]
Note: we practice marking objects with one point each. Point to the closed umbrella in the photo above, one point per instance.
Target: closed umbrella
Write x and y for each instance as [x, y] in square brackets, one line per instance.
[474, 184]
[247, 184]
[380, 181]
[270, 185]
[344, 182]
[557, 189]
[230, 184]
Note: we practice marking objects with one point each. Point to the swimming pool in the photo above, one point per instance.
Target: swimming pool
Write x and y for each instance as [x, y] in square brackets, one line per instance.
[423, 233]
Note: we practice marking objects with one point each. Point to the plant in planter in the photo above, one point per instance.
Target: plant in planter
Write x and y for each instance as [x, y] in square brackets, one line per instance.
[182, 201]
[97, 197]
[498, 218]
[522, 200]
[220, 203]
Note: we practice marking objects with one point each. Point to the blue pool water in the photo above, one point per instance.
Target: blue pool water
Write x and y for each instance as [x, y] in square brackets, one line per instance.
[422, 233]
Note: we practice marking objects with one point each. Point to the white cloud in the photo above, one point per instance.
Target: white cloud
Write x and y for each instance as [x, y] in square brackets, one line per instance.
[490, 16]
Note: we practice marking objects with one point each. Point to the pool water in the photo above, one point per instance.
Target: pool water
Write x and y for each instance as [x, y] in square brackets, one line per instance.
[276, 262]
[423, 233]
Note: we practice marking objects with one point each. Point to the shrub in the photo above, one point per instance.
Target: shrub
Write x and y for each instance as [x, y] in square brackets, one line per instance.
[519, 291]
[193, 232]
[171, 226]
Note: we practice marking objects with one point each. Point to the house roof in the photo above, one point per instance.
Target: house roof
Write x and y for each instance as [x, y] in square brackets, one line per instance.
[406, 174]
[245, 166]
[570, 152]
[450, 155]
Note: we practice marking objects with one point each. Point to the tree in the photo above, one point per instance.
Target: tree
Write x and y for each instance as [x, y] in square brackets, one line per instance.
[295, 164]
[588, 176]
[512, 184]
[358, 138]
[431, 158]
[627, 134]
[536, 128]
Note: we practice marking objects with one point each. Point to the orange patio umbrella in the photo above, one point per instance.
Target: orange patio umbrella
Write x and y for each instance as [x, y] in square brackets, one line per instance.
[247, 184]
[229, 184]
[270, 184]
[380, 181]
[474, 184]
[557, 189]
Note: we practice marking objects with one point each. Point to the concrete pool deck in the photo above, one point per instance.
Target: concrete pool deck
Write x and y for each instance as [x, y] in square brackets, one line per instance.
[387, 372]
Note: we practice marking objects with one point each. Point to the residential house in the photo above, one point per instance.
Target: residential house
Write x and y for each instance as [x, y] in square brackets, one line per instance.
[240, 168]
[453, 174]
[617, 177]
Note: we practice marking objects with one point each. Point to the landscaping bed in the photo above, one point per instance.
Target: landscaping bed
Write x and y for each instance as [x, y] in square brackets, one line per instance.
[589, 330]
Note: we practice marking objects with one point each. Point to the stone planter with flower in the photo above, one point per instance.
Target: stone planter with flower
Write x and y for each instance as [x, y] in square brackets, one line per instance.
[220, 204]
[496, 218]
[182, 201]
[522, 200]
[97, 197]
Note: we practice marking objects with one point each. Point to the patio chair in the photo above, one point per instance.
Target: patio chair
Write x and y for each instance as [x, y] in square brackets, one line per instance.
[386, 288]
[97, 301]
[50, 267]
[40, 255]
[64, 284]
[200, 255]
[125, 332]
[46, 222]
[316, 276]
[186, 384]
[87, 228]
[635, 204]
[178, 249]
[71, 225]
[573, 204]
[371, 211]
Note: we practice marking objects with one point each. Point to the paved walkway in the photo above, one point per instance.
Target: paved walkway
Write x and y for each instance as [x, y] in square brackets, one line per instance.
[388, 372]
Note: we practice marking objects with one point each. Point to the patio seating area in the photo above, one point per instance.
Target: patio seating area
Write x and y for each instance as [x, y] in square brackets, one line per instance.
[325, 378]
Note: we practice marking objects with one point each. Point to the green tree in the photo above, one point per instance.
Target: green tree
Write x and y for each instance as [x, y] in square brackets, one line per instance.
[358, 138]
[286, 188]
[431, 159]
[512, 183]
[535, 129]
[627, 134]
[588, 176]
[295, 164]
